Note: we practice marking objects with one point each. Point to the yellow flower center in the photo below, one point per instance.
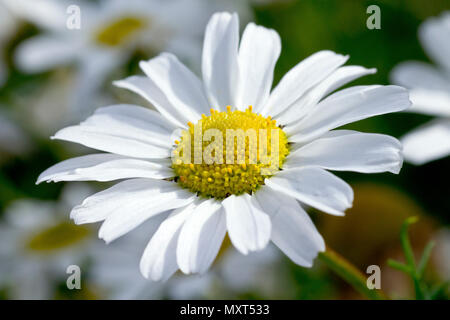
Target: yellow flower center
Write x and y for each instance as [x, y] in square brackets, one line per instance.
[57, 237]
[229, 152]
[120, 31]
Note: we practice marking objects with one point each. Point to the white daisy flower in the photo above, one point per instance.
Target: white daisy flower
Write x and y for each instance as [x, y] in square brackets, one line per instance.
[38, 243]
[430, 93]
[110, 31]
[209, 200]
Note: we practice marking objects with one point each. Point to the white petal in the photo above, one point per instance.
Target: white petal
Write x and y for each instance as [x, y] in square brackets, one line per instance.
[27, 286]
[159, 260]
[129, 203]
[106, 167]
[292, 229]
[309, 100]
[28, 215]
[433, 34]
[123, 129]
[201, 237]
[139, 117]
[145, 87]
[219, 61]
[41, 53]
[346, 106]
[93, 70]
[258, 53]
[182, 88]
[430, 102]
[248, 226]
[315, 187]
[428, 142]
[47, 14]
[346, 150]
[415, 74]
[300, 79]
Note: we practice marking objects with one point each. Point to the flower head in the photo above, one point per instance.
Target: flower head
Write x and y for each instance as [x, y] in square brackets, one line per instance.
[38, 243]
[256, 198]
[430, 93]
[98, 38]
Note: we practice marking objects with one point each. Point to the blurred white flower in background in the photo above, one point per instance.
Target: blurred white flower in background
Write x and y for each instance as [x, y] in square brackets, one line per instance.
[111, 31]
[211, 200]
[47, 106]
[441, 253]
[429, 92]
[38, 243]
[258, 272]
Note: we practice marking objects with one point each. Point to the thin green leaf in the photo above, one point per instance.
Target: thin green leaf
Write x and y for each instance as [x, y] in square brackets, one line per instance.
[399, 266]
[409, 255]
[424, 259]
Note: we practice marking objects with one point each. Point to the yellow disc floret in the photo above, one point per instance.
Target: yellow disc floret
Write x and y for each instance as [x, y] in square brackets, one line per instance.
[120, 31]
[229, 152]
[57, 237]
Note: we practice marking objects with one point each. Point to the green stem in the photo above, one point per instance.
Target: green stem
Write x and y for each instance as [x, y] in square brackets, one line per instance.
[418, 289]
[424, 259]
[350, 274]
[409, 255]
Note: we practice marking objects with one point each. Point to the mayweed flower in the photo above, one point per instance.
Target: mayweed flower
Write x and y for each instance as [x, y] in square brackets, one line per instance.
[38, 243]
[99, 37]
[430, 93]
[256, 200]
